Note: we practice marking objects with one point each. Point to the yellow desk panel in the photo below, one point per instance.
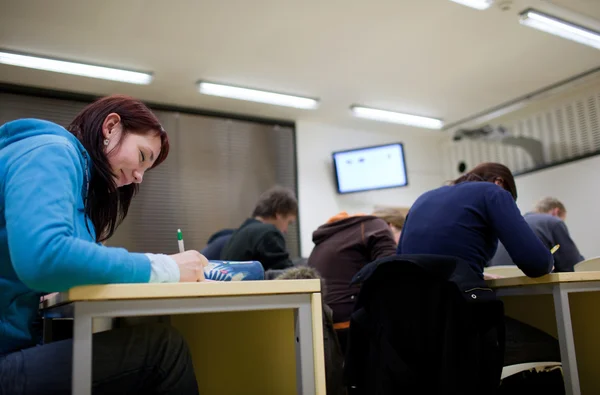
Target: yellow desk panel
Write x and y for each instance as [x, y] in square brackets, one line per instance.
[538, 311]
[249, 352]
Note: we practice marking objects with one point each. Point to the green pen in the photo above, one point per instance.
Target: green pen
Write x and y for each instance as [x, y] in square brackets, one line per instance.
[180, 240]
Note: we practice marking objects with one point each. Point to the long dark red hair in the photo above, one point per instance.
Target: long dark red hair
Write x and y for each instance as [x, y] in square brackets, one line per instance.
[491, 172]
[107, 205]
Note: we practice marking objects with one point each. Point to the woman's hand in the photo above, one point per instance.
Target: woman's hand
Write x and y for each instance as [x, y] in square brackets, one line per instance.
[490, 276]
[191, 265]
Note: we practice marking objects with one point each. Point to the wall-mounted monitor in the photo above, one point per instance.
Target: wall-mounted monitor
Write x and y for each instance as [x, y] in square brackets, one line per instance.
[370, 168]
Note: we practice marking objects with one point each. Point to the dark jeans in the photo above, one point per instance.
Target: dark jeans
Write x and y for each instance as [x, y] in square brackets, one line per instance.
[144, 359]
[342, 335]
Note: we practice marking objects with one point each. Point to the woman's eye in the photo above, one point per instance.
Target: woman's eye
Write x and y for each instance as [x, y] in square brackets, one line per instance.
[142, 156]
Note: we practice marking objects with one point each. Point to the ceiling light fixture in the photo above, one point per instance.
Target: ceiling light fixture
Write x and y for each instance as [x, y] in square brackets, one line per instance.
[477, 4]
[396, 117]
[278, 99]
[559, 27]
[74, 68]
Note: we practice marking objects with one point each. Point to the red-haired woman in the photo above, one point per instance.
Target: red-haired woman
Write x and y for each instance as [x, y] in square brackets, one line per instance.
[63, 192]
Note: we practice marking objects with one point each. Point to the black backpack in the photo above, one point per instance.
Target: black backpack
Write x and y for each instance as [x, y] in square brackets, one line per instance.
[414, 330]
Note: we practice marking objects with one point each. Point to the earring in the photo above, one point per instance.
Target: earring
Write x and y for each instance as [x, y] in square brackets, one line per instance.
[106, 141]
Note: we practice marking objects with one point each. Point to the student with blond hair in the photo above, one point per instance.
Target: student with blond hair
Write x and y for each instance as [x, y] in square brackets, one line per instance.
[547, 220]
[394, 218]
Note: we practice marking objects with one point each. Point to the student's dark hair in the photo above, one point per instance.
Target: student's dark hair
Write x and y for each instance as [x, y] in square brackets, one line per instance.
[491, 172]
[107, 205]
[277, 200]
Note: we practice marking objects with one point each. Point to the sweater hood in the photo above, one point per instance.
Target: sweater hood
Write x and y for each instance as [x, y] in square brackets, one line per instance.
[337, 223]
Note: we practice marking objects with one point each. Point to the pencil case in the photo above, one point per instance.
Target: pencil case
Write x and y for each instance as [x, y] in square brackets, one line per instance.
[234, 271]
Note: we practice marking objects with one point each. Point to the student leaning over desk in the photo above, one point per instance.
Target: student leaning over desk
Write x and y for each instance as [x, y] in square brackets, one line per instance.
[465, 220]
[63, 191]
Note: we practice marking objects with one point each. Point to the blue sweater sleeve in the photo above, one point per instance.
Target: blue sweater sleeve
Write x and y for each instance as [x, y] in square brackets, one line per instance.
[40, 208]
[524, 247]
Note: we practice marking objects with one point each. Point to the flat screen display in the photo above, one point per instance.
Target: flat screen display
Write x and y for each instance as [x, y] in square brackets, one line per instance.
[370, 168]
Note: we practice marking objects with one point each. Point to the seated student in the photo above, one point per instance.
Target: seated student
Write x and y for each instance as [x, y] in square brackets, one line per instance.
[260, 238]
[343, 246]
[64, 191]
[394, 218]
[547, 222]
[466, 219]
[215, 244]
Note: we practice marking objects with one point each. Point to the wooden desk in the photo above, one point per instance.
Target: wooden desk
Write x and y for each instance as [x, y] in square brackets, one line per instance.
[576, 300]
[260, 297]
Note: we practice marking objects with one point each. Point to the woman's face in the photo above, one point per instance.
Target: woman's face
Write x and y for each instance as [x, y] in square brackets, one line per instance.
[129, 155]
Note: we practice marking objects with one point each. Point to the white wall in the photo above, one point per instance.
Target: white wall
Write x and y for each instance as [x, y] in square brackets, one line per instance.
[317, 193]
[577, 185]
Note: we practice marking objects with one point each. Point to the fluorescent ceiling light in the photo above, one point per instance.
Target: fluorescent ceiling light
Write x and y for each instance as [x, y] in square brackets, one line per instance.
[477, 4]
[278, 99]
[84, 70]
[396, 117]
[553, 25]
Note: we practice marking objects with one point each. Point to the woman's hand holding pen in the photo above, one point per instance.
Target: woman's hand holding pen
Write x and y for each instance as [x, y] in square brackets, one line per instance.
[191, 265]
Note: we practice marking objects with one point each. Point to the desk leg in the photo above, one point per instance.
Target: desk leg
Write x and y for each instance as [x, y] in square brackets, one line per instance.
[305, 369]
[318, 347]
[82, 351]
[565, 338]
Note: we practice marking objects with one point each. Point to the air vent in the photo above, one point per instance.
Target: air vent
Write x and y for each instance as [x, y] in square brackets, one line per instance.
[567, 131]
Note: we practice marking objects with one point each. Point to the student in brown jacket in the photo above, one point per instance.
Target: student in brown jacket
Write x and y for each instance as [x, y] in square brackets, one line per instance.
[343, 246]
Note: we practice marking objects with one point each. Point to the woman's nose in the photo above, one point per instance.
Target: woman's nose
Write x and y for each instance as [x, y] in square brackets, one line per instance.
[138, 176]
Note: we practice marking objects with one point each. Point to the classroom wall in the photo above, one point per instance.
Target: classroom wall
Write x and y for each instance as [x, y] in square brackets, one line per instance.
[568, 125]
[577, 185]
[317, 192]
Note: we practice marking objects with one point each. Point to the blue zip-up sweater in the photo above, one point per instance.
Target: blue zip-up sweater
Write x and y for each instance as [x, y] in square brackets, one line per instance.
[466, 220]
[45, 245]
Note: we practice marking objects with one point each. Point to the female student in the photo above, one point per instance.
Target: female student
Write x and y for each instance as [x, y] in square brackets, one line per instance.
[64, 191]
[466, 220]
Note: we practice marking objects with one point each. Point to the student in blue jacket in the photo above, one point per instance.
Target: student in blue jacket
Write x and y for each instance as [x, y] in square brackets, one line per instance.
[466, 220]
[63, 192]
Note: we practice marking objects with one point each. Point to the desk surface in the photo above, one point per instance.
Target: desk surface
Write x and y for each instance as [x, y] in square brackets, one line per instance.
[183, 290]
[547, 279]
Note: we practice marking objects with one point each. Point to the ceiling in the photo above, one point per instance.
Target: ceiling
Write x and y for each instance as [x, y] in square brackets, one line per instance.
[428, 57]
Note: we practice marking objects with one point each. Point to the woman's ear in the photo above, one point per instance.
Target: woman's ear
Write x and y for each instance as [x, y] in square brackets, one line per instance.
[110, 126]
[499, 181]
